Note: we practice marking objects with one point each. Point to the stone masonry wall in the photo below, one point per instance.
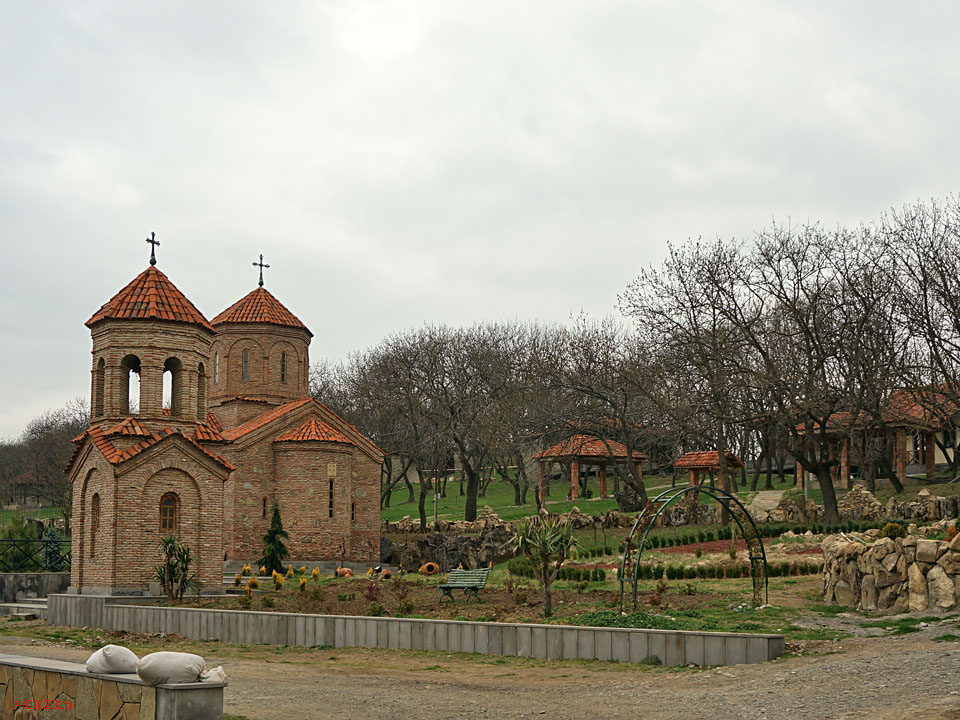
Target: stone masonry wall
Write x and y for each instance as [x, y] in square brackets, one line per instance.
[887, 575]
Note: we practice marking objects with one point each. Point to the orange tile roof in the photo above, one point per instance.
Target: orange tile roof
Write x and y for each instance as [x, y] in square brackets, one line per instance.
[115, 456]
[150, 296]
[128, 426]
[260, 420]
[587, 446]
[259, 306]
[707, 460]
[205, 433]
[314, 430]
[214, 422]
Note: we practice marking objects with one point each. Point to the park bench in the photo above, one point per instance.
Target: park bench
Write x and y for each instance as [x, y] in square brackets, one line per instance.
[470, 581]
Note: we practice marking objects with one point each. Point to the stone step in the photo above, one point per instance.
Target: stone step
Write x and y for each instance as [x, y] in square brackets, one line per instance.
[22, 609]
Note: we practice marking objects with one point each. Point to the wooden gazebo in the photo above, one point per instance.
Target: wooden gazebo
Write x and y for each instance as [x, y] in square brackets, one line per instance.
[585, 450]
[706, 461]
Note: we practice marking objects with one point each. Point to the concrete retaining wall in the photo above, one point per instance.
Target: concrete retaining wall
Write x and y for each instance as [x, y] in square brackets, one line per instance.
[19, 586]
[672, 647]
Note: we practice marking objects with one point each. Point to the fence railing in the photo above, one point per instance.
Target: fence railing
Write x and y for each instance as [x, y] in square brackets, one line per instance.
[35, 555]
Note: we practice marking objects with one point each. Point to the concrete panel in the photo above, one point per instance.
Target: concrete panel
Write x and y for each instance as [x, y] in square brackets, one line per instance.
[383, 634]
[301, 636]
[714, 650]
[776, 646]
[393, 634]
[538, 642]
[736, 650]
[340, 633]
[639, 647]
[602, 645]
[569, 643]
[350, 633]
[554, 643]
[405, 639]
[508, 640]
[453, 637]
[757, 650]
[495, 640]
[481, 639]
[416, 635]
[693, 649]
[428, 636]
[586, 644]
[620, 646]
[656, 645]
[440, 636]
[467, 639]
[674, 649]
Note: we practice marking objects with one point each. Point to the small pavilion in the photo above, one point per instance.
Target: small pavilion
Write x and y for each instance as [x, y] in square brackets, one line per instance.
[586, 450]
[706, 461]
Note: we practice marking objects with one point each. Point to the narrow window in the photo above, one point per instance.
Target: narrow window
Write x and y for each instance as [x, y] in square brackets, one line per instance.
[173, 386]
[216, 368]
[98, 388]
[245, 372]
[264, 514]
[130, 386]
[353, 512]
[283, 367]
[168, 514]
[94, 521]
[330, 513]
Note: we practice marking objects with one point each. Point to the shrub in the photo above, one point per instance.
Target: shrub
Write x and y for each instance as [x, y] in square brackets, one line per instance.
[246, 601]
[237, 580]
[952, 532]
[268, 602]
[245, 571]
[661, 585]
[520, 566]
[688, 589]
[315, 574]
[278, 582]
[252, 584]
[174, 572]
[375, 609]
[404, 607]
[598, 575]
[893, 530]
[303, 584]
[699, 552]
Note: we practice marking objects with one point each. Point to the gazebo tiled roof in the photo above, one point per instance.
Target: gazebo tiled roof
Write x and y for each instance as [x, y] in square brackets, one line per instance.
[259, 306]
[150, 296]
[587, 446]
[707, 460]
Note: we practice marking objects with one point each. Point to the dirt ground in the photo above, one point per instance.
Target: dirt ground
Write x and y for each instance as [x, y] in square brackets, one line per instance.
[882, 678]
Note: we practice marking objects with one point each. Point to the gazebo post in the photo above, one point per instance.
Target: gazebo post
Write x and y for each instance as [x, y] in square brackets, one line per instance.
[603, 479]
[639, 467]
[845, 464]
[694, 477]
[900, 454]
[574, 479]
[541, 482]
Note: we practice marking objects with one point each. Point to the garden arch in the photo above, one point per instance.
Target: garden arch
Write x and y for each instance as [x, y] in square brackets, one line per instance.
[645, 522]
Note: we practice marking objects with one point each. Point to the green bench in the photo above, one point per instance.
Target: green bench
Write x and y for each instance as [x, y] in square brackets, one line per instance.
[470, 581]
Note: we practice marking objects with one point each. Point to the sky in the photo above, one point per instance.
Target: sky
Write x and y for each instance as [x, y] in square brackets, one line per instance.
[401, 163]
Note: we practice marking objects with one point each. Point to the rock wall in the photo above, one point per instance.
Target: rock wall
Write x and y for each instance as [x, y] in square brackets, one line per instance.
[910, 574]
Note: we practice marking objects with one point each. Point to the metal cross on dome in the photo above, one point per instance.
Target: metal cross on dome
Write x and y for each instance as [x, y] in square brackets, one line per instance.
[261, 265]
[153, 246]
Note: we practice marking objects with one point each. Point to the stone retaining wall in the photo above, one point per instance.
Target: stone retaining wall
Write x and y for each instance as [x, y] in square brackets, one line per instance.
[672, 647]
[19, 586]
[891, 575]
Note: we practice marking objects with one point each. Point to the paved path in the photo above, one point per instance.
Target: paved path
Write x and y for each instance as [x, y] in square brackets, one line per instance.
[766, 499]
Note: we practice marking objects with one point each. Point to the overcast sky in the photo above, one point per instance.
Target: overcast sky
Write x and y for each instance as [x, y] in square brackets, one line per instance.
[407, 162]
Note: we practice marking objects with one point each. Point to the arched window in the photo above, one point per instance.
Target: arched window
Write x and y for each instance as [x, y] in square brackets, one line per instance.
[216, 368]
[283, 367]
[98, 388]
[94, 521]
[330, 511]
[173, 386]
[130, 386]
[245, 371]
[201, 393]
[264, 508]
[168, 514]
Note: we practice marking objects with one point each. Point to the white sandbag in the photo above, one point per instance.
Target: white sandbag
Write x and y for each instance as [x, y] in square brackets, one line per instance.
[170, 667]
[112, 659]
[217, 675]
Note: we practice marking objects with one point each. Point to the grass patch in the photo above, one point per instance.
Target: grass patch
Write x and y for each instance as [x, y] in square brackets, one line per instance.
[903, 626]
[949, 637]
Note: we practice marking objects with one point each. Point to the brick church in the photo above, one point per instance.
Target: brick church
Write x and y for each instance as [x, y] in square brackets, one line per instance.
[238, 431]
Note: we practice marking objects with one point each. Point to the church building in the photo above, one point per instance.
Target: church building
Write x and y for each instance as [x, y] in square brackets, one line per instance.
[238, 432]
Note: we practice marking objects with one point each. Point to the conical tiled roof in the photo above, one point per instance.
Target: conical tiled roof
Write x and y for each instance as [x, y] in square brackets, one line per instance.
[314, 430]
[150, 296]
[260, 306]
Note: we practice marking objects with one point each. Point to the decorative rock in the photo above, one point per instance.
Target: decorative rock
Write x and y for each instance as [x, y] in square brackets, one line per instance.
[842, 593]
[868, 593]
[950, 561]
[860, 504]
[918, 589]
[940, 589]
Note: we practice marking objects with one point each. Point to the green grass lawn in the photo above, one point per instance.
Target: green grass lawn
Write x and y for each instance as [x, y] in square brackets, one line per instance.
[500, 498]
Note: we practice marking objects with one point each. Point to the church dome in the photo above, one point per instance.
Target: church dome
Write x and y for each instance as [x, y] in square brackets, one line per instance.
[260, 306]
[150, 296]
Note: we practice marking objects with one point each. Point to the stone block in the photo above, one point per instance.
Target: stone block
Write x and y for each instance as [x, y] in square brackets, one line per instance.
[918, 589]
[868, 593]
[940, 589]
[927, 551]
[950, 562]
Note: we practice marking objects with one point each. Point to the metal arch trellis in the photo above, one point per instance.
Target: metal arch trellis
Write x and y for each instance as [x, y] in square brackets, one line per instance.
[646, 519]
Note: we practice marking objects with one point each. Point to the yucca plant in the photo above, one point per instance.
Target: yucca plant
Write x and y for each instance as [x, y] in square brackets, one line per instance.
[173, 573]
[548, 543]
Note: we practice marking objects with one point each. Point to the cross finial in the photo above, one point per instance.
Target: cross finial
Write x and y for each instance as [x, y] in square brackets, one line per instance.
[153, 246]
[261, 265]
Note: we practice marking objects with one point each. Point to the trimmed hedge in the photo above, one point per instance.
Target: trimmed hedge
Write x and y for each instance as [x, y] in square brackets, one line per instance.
[701, 572]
